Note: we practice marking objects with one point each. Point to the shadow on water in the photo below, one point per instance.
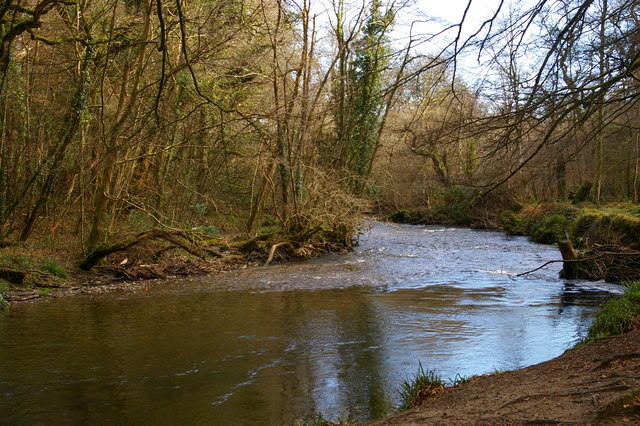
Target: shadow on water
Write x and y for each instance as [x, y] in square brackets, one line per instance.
[274, 345]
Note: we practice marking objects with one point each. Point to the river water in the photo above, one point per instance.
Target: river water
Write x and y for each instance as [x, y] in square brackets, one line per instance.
[274, 345]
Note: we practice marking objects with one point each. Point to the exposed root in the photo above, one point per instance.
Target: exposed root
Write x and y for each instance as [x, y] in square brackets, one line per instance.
[274, 247]
[619, 357]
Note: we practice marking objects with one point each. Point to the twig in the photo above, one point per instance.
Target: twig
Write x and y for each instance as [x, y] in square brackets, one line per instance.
[585, 259]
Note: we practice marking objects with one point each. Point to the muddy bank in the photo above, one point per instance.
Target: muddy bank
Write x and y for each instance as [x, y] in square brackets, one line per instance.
[140, 265]
[594, 383]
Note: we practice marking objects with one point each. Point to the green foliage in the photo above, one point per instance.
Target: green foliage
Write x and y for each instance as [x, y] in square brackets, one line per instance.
[512, 223]
[456, 205]
[550, 229]
[199, 208]
[54, 269]
[366, 72]
[3, 303]
[597, 227]
[583, 192]
[16, 261]
[210, 230]
[411, 389]
[546, 224]
[617, 314]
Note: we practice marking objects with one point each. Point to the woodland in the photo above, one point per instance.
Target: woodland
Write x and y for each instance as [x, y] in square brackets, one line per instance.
[123, 116]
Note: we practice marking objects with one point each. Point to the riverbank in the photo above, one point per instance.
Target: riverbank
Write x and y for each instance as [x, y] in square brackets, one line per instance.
[29, 273]
[606, 237]
[594, 383]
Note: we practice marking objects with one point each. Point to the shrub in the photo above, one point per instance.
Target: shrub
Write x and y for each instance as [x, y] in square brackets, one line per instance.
[405, 216]
[598, 228]
[512, 223]
[550, 229]
[457, 204]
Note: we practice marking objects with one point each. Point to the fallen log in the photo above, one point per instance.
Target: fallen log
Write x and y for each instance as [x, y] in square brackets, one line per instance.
[13, 275]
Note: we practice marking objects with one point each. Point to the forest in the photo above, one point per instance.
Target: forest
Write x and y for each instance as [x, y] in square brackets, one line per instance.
[159, 139]
[122, 116]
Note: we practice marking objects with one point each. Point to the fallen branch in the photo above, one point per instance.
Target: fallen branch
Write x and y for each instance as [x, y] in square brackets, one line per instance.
[95, 256]
[584, 259]
[13, 275]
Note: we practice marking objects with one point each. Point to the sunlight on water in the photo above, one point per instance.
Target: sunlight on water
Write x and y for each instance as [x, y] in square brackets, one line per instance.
[275, 345]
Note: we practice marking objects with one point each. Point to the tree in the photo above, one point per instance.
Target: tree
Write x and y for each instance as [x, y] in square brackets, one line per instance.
[366, 74]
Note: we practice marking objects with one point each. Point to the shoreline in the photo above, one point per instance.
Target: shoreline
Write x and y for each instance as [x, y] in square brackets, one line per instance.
[592, 383]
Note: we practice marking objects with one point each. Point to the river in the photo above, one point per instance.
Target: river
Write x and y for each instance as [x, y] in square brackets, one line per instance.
[275, 345]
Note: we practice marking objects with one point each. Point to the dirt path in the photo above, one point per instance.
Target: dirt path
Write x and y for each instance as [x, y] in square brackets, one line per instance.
[596, 383]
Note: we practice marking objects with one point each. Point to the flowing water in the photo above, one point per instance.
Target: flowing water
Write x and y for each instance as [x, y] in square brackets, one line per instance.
[274, 345]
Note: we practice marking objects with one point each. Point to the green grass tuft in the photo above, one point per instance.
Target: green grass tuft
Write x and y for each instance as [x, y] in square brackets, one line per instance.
[320, 420]
[54, 269]
[412, 390]
[617, 314]
[459, 380]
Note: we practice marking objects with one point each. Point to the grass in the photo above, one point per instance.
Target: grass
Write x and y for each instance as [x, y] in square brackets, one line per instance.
[423, 385]
[54, 269]
[320, 420]
[3, 303]
[617, 314]
[460, 380]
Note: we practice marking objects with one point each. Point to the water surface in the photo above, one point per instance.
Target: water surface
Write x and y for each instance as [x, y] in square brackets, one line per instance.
[274, 345]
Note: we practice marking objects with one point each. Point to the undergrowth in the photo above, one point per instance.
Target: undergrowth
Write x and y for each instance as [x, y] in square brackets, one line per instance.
[617, 314]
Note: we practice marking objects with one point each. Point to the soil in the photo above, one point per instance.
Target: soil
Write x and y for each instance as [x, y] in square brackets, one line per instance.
[594, 383]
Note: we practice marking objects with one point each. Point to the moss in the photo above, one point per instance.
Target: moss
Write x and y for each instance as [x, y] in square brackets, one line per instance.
[617, 314]
[598, 227]
[582, 193]
[550, 229]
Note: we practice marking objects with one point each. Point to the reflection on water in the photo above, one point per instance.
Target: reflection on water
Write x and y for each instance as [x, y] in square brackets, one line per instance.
[274, 345]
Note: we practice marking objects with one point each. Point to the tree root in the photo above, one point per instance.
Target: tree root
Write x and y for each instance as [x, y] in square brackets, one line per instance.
[95, 256]
[274, 247]
[612, 388]
[621, 357]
